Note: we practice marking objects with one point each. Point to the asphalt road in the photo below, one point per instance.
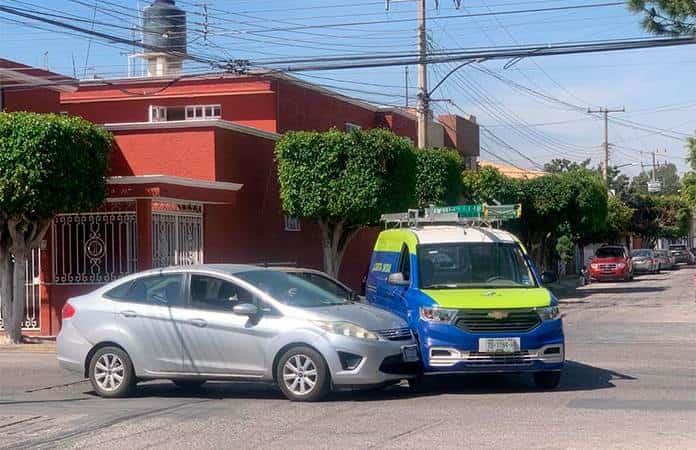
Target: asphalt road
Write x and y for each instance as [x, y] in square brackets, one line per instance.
[630, 383]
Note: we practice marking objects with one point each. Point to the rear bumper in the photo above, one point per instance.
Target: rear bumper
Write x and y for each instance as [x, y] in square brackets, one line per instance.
[448, 349]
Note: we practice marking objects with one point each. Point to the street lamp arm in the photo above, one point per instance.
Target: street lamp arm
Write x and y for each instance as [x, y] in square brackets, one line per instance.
[451, 72]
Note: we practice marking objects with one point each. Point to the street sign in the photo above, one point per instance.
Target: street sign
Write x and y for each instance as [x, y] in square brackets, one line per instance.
[654, 186]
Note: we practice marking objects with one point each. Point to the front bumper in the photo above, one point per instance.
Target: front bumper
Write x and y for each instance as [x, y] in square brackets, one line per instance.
[643, 267]
[448, 349]
[615, 274]
[381, 362]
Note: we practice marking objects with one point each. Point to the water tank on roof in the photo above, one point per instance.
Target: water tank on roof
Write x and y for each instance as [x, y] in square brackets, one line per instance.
[164, 36]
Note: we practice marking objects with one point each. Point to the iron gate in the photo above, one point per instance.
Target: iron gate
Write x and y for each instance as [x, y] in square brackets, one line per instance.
[177, 235]
[32, 293]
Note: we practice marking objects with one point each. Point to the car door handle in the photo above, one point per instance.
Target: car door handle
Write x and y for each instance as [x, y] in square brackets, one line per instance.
[200, 323]
[128, 314]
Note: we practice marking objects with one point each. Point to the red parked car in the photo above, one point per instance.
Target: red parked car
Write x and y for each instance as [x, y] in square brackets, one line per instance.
[611, 263]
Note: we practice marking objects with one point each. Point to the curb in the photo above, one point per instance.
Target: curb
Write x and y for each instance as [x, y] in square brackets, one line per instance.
[28, 348]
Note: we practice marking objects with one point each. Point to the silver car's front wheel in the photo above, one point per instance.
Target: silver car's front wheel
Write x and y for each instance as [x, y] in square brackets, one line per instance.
[111, 372]
[302, 374]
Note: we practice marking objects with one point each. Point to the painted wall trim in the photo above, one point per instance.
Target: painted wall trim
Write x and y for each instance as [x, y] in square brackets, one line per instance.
[179, 124]
[174, 180]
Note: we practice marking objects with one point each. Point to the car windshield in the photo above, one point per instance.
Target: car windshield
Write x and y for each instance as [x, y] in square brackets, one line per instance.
[640, 253]
[291, 290]
[466, 265]
[609, 252]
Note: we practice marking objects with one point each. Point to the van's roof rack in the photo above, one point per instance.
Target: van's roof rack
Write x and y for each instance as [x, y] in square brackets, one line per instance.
[469, 215]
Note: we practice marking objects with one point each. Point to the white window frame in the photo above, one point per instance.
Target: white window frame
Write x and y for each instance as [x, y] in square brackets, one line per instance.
[158, 113]
[203, 112]
[292, 223]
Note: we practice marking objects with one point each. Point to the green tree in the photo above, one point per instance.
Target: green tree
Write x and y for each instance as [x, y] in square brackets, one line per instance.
[488, 185]
[565, 165]
[438, 177]
[48, 164]
[666, 17]
[344, 181]
[667, 174]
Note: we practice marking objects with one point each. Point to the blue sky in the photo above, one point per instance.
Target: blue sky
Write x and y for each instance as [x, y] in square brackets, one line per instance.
[654, 85]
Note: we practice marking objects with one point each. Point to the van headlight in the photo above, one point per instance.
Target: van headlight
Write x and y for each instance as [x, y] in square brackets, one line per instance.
[346, 329]
[549, 313]
[437, 314]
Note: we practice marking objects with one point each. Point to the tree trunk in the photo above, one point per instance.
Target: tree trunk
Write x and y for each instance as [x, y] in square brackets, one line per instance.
[23, 235]
[17, 281]
[335, 238]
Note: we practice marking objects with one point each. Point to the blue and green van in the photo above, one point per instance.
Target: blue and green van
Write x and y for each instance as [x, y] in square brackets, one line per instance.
[472, 297]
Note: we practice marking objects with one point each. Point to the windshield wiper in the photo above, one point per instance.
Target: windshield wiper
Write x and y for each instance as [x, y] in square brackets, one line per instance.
[443, 286]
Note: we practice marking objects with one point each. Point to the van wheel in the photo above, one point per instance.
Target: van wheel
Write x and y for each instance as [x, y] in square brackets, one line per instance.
[547, 380]
[303, 375]
[111, 372]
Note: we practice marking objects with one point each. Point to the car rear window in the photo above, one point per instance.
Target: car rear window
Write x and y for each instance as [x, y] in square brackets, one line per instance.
[610, 252]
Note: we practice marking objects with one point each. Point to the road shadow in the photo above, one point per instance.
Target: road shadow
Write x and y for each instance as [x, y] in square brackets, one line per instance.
[597, 288]
[577, 376]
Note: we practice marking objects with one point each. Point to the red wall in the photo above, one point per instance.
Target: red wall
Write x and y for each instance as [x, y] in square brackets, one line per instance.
[186, 153]
[300, 108]
[34, 100]
[249, 103]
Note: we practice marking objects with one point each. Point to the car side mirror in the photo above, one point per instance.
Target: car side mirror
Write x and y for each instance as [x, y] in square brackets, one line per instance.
[246, 309]
[548, 278]
[397, 279]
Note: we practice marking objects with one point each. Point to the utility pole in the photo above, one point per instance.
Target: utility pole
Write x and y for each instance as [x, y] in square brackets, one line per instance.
[605, 111]
[423, 107]
[406, 85]
[654, 175]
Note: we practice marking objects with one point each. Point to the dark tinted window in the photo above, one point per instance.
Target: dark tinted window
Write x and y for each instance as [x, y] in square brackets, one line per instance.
[610, 252]
[215, 294]
[156, 289]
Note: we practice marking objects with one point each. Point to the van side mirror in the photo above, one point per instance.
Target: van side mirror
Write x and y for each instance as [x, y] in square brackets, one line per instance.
[397, 279]
[548, 278]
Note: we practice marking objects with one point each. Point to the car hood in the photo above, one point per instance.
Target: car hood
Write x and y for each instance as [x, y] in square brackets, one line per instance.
[490, 298]
[607, 260]
[366, 316]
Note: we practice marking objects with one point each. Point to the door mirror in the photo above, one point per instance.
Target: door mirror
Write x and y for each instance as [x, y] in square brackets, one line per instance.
[548, 278]
[397, 279]
[246, 309]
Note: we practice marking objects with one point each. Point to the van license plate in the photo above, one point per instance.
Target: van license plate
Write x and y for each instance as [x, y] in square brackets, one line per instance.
[409, 353]
[499, 345]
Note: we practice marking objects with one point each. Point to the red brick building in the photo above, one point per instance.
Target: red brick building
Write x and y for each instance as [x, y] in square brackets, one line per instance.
[193, 177]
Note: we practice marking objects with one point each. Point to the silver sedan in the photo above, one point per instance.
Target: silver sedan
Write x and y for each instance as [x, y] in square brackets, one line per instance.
[232, 322]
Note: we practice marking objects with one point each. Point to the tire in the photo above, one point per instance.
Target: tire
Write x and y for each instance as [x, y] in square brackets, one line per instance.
[547, 380]
[189, 383]
[417, 384]
[297, 368]
[105, 367]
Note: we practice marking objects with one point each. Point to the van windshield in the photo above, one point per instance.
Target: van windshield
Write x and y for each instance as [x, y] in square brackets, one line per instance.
[473, 265]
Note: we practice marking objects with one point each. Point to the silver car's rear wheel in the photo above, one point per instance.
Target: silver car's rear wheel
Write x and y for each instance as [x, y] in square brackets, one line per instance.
[111, 372]
[303, 375]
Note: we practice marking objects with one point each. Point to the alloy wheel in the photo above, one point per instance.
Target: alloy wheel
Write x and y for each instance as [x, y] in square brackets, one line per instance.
[109, 372]
[300, 374]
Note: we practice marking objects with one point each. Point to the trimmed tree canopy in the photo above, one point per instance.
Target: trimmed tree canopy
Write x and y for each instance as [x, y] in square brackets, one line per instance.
[344, 181]
[335, 175]
[438, 177]
[51, 164]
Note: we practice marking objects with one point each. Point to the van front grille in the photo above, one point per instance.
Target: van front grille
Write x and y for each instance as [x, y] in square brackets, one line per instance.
[497, 321]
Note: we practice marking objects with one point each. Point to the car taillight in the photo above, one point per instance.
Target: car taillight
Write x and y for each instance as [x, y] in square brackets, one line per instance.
[68, 311]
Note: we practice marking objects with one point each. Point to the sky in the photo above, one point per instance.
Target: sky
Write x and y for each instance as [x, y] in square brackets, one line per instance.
[654, 85]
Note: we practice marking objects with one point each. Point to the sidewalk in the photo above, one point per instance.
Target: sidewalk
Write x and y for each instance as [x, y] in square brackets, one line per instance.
[31, 345]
